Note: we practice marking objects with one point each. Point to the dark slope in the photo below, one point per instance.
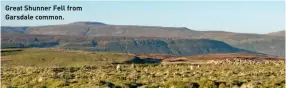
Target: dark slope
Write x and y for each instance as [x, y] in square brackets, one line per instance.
[128, 45]
[7, 29]
[272, 45]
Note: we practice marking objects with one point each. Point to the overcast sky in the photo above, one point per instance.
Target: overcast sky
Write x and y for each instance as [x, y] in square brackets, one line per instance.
[246, 17]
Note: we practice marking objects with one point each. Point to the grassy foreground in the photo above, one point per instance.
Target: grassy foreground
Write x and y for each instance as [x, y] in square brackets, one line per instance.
[49, 68]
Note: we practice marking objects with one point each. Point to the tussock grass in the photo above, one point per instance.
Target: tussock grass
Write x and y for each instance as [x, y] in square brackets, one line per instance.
[49, 68]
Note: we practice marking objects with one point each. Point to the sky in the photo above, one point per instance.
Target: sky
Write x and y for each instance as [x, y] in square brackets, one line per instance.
[233, 16]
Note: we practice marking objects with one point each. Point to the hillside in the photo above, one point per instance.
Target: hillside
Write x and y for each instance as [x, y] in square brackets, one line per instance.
[279, 33]
[96, 29]
[141, 45]
[271, 45]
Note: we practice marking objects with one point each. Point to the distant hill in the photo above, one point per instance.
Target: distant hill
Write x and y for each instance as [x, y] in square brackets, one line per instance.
[279, 33]
[268, 44]
[101, 29]
[184, 47]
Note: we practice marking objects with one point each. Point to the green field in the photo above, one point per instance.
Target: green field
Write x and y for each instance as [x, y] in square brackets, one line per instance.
[58, 58]
[54, 68]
